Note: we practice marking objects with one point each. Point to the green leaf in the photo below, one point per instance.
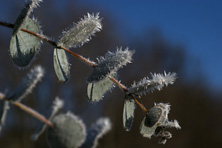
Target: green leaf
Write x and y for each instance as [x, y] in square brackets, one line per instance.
[68, 131]
[24, 46]
[96, 90]
[61, 64]
[128, 112]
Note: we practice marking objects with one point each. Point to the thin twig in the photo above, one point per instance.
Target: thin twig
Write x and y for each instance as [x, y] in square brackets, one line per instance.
[53, 43]
[124, 88]
[121, 86]
[32, 112]
[83, 59]
[140, 105]
[28, 110]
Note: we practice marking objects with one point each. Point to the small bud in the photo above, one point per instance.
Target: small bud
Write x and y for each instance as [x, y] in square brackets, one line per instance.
[97, 131]
[80, 33]
[147, 85]
[4, 114]
[156, 121]
[27, 85]
[68, 131]
[110, 64]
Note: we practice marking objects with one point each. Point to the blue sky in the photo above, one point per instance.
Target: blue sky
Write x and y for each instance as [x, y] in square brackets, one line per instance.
[195, 23]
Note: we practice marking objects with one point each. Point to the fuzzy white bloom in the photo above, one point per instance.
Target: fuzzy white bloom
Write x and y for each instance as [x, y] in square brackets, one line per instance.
[79, 121]
[68, 131]
[119, 55]
[110, 64]
[57, 105]
[25, 13]
[27, 85]
[97, 131]
[103, 125]
[172, 124]
[36, 3]
[164, 79]
[31, 4]
[80, 33]
[158, 81]
[106, 125]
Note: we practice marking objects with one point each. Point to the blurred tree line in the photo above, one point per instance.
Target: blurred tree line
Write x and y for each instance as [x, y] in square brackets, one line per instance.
[193, 104]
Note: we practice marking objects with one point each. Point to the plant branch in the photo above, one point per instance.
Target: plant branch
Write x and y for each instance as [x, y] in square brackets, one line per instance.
[53, 43]
[120, 85]
[32, 112]
[140, 105]
[28, 110]
[83, 59]
[124, 88]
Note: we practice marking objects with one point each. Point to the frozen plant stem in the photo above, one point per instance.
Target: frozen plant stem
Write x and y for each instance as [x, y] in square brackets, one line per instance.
[121, 86]
[124, 88]
[140, 105]
[83, 59]
[28, 110]
[32, 112]
[53, 43]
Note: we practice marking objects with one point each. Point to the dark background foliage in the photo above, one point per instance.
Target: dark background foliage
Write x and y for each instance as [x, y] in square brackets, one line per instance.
[193, 103]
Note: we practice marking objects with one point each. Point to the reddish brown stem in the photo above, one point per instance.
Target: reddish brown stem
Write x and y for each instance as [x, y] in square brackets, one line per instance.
[88, 62]
[39, 36]
[140, 105]
[33, 113]
[124, 88]
[84, 60]
[121, 86]
[28, 110]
